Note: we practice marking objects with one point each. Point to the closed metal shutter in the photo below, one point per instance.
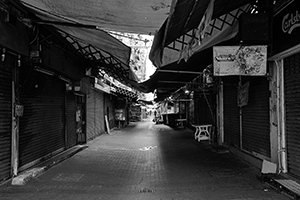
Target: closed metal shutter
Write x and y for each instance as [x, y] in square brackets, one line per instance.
[256, 118]
[5, 118]
[95, 114]
[99, 113]
[71, 120]
[90, 115]
[42, 125]
[292, 115]
[110, 109]
[231, 113]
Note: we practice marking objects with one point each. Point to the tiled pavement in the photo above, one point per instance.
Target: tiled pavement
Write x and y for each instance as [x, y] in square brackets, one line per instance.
[146, 161]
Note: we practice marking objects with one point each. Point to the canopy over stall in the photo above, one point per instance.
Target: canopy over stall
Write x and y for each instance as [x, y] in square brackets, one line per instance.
[186, 15]
[142, 16]
[184, 42]
[84, 25]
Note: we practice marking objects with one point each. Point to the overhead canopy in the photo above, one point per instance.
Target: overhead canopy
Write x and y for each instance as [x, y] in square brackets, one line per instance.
[168, 79]
[142, 16]
[186, 15]
[92, 44]
[80, 22]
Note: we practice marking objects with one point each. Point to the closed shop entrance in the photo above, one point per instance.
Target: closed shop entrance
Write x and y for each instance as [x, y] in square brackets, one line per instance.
[292, 112]
[5, 118]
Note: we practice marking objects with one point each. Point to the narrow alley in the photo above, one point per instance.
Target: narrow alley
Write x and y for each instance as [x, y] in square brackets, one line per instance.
[145, 161]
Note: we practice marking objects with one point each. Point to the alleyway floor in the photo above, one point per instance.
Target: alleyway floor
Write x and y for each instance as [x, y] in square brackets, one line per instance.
[146, 161]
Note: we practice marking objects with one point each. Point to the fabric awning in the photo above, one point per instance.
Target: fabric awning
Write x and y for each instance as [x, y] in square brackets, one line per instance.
[142, 16]
[170, 78]
[92, 45]
[97, 46]
[167, 79]
[86, 33]
[185, 16]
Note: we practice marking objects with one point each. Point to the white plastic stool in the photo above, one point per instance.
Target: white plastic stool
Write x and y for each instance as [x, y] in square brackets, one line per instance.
[203, 132]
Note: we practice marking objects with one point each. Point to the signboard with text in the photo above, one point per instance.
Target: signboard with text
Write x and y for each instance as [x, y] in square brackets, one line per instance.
[240, 60]
[287, 27]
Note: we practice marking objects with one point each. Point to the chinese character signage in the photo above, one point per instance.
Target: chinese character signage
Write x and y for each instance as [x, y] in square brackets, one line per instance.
[240, 60]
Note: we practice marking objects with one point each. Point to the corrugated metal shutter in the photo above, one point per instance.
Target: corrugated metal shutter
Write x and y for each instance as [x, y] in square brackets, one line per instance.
[231, 113]
[292, 102]
[110, 108]
[256, 118]
[95, 114]
[90, 115]
[71, 120]
[42, 125]
[5, 119]
[99, 113]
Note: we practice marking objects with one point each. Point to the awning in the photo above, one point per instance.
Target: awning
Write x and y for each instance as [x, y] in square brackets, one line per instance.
[84, 33]
[185, 16]
[102, 50]
[142, 16]
[168, 79]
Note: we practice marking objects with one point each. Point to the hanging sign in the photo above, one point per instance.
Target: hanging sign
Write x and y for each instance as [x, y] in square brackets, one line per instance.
[119, 115]
[243, 95]
[240, 60]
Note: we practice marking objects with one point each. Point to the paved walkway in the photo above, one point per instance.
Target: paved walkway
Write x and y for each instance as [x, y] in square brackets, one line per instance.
[146, 161]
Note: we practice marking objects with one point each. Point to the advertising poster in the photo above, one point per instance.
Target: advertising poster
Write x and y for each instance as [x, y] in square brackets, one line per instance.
[240, 60]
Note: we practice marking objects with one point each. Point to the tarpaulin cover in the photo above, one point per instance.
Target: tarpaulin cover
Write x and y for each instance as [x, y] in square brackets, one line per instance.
[101, 40]
[135, 16]
[95, 37]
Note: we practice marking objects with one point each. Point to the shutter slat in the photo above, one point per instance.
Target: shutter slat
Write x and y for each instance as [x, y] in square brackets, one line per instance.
[292, 99]
[5, 120]
[42, 125]
[256, 119]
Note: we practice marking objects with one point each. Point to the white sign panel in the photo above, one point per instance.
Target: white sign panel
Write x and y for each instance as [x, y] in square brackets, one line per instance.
[240, 60]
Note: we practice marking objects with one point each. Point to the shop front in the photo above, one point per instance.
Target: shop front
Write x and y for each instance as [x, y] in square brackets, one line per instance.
[6, 117]
[245, 100]
[286, 59]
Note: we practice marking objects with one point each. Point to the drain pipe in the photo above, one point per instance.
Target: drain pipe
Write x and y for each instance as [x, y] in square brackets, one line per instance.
[282, 156]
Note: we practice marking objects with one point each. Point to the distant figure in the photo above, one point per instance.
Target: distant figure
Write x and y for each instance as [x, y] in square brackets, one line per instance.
[155, 113]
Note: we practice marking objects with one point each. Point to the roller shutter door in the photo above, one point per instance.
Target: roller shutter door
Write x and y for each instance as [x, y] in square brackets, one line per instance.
[256, 118]
[42, 126]
[99, 113]
[292, 103]
[5, 119]
[95, 114]
[71, 120]
[90, 115]
[231, 114]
